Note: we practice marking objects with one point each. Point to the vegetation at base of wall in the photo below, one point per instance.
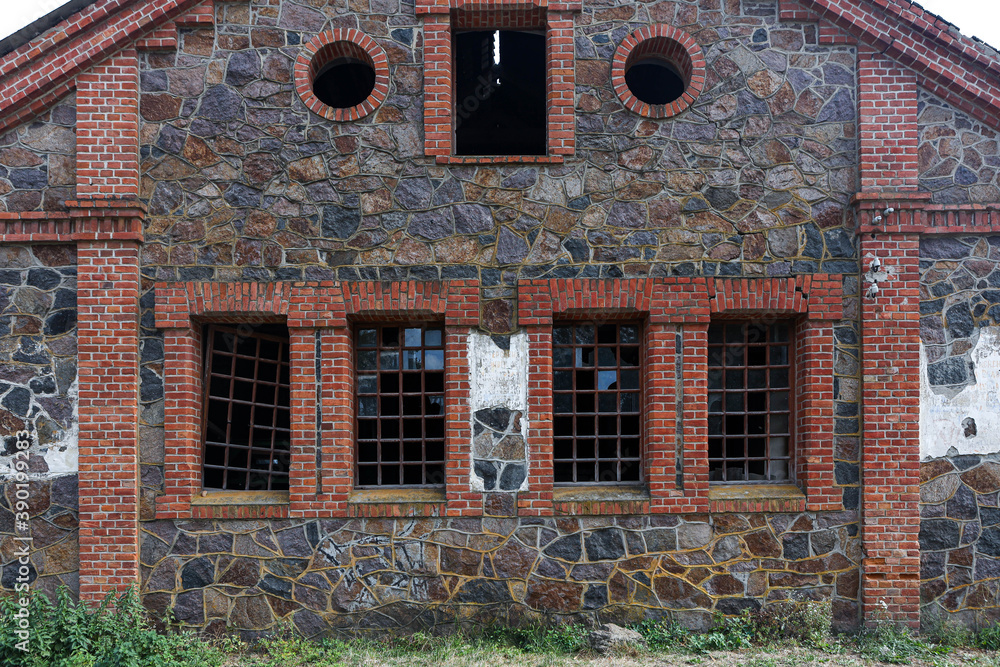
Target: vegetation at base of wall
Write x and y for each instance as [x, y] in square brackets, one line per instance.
[118, 634]
[115, 634]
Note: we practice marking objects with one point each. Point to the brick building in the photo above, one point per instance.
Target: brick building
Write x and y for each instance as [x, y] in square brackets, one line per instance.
[369, 313]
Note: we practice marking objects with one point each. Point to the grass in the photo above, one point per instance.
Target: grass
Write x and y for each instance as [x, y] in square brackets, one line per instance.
[118, 634]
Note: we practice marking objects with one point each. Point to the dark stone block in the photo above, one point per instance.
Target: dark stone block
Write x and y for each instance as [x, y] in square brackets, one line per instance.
[43, 385]
[951, 371]
[487, 471]
[238, 195]
[965, 461]
[959, 321]
[472, 219]
[989, 516]
[189, 608]
[795, 546]
[512, 476]
[60, 322]
[277, 587]
[595, 597]
[13, 575]
[839, 243]
[989, 542]
[197, 573]
[244, 67]
[220, 103]
[28, 179]
[340, 222]
[511, 248]
[483, 591]
[932, 564]
[736, 606]
[496, 418]
[938, 534]
[962, 505]
[44, 279]
[943, 247]
[567, 548]
[605, 544]
[150, 385]
[18, 401]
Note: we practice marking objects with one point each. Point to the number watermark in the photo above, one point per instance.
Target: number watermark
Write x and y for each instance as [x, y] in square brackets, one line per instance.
[22, 540]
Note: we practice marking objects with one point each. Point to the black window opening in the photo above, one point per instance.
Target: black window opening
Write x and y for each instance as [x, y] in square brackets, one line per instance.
[655, 81]
[400, 405]
[247, 408]
[344, 82]
[500, 98]
[749, 402]
[596, 403]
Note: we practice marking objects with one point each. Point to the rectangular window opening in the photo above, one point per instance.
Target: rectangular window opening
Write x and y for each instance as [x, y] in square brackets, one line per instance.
[247, 407]
[749, 401]
[500, 92]
[596, 403]
[399, 373]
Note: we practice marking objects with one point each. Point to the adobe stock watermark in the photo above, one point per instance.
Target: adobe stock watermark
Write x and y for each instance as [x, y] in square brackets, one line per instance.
[22, 540]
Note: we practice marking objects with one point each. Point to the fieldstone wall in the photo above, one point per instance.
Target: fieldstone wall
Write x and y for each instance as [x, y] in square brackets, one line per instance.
[38, 395]
[959, 157]
[960, 294]
[414, 574]
[38, 160]
[960, 540]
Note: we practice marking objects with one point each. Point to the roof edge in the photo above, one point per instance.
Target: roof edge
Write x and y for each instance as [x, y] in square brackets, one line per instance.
[21, 37]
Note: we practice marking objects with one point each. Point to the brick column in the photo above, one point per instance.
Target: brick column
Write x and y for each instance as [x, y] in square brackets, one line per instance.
[108, 356]
[890, 467]
[887, 116]
[107, 143]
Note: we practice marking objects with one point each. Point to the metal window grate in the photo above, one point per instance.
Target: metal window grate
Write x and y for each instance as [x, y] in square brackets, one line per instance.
[247, 432]
[596, 399]
[749, 401]
[400, 405]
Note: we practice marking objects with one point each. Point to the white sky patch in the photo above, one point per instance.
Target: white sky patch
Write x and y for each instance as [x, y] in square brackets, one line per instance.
[18, 13]
[496, 47]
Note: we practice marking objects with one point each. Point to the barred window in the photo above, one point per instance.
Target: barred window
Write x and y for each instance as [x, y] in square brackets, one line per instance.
[247, 433]
[400, 405]
[749, 401]
[596, 398]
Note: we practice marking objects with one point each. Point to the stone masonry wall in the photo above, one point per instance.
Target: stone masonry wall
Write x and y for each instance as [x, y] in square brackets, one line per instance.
[38, 161]
[415, 574]
[959, 157]
[38, 394]
[960, 541]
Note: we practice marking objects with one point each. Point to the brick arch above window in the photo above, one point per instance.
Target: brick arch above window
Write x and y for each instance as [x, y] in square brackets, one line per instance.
[659, 42]
[329, 46]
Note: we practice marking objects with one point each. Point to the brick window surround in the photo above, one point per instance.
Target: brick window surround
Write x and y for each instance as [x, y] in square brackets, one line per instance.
[671, 44]
[320, 318]
[441, 17]
[328, 46]
[676, 313]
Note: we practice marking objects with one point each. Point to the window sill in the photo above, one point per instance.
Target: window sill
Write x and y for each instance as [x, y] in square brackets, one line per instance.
[500, 159]
[756, 498]
[575, 500]
[211, 504]
[210, 497]
[396, 502]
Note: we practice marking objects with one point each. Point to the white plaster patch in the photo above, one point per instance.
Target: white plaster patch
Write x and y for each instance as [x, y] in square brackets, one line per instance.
[61, 456]
[943, 420]
[498, 379]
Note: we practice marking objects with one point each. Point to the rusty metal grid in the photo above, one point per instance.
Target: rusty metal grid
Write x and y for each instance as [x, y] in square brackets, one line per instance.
[596, 403]
[246, 422]
[399, 374]
[750, 398]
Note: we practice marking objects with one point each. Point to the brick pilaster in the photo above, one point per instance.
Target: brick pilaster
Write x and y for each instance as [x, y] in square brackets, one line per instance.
[887, 117]
[890, 522]
[108, 355]
[107, 128]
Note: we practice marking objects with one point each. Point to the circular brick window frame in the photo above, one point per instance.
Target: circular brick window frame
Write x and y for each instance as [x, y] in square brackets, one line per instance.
[667, 43]
[332, 44]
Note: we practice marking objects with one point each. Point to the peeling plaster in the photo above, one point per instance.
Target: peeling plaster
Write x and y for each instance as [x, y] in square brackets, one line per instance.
[498, 379]
[945, 421]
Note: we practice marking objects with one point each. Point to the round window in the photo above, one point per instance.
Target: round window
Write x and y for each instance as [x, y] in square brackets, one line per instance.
[342, 74]
[658, 71]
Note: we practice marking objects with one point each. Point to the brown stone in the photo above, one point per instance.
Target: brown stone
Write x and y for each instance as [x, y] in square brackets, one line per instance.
[260, 168]
[984, 478]
[413, 252]
[308, 169]
[514, 561]
[198, 153]
[763, 544]
[939, 489]
[595, 73]
[764, 83]
[251, 613]
[664, 213]
[498, 316]
[460, 561]
[724, 584]
[456, 250]
[636, 158]
[783, 100]
[675, 593]
[561, 220]
[546, 249]
[685, 181]
[16, 156]
[159, 106]
[260, 224]
[9, 423]
[935, 468]
[553, 596]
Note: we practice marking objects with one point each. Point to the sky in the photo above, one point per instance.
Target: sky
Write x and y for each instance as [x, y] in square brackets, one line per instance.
[979, 18]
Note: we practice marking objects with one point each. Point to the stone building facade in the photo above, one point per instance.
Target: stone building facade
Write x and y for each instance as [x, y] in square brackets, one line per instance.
[674, 356]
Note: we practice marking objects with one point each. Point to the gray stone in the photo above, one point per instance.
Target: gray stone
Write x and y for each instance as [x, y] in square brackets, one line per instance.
[604, 544]
[609, 638]
[436, 224]
[511, 248]
[473, 219]
[512, 476]
[939, 534]
[244, 67]
[962, 505]
[693, 535]
[340, 222]
[220, 103]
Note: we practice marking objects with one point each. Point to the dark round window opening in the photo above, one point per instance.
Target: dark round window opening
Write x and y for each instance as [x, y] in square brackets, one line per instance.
[344, 82]
[655, 81]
